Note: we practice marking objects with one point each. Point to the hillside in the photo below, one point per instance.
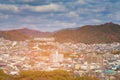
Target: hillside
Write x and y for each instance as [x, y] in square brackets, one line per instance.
[13, 35]
[22, 34]
[105, 33]
[33, 33]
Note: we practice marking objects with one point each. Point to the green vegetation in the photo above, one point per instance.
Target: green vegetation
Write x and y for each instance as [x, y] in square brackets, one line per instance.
[116, 52]
[4, 76]
[44, 75]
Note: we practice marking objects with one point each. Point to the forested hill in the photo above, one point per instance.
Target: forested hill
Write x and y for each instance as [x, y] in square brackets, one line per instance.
[105, 33]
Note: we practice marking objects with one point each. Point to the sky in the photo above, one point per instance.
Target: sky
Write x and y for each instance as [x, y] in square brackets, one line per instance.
[52, 15]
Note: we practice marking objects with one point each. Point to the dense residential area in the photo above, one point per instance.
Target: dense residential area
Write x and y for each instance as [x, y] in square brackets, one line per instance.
[59, 39]
[45, 54]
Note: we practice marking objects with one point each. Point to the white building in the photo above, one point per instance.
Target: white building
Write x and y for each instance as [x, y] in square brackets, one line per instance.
[56, 57]
[51, 39]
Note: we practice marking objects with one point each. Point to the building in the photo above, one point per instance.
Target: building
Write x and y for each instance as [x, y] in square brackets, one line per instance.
[55, 58]
[94, 58]
[50, 39]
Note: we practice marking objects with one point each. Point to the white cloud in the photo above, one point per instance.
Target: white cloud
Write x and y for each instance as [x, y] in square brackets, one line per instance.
[57, 25]
[114, 15]
[26, 0]
[72, 14]
[3, 16]
[17, 26]
[81, 1]
[95, 21]
[64, 24]
[30, 26]
[7, 7]
[21, 0]
[44, 8]
[89, 10]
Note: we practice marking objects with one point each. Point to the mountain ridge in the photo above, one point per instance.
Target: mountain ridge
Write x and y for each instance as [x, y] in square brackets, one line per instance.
[104, 33]
[22, 34]
[89, 34]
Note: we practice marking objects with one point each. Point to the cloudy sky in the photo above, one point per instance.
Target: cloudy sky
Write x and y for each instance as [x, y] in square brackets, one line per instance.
[52, 15]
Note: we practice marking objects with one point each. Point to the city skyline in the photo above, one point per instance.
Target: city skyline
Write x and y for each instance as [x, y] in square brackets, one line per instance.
[52, 15]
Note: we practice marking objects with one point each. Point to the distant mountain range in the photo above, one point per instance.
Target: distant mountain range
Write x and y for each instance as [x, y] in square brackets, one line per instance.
[104, 33]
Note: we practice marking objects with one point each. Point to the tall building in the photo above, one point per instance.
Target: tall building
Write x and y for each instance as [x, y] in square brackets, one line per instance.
[56, 57]
[94, 58]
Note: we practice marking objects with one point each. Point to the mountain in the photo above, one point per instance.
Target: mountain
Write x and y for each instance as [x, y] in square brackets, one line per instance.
[105, 33]
[13, 35]
[34, 33]
[22, 34]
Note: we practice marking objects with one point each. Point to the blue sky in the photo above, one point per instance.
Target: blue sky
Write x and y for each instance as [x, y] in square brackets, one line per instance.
[52, 15]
